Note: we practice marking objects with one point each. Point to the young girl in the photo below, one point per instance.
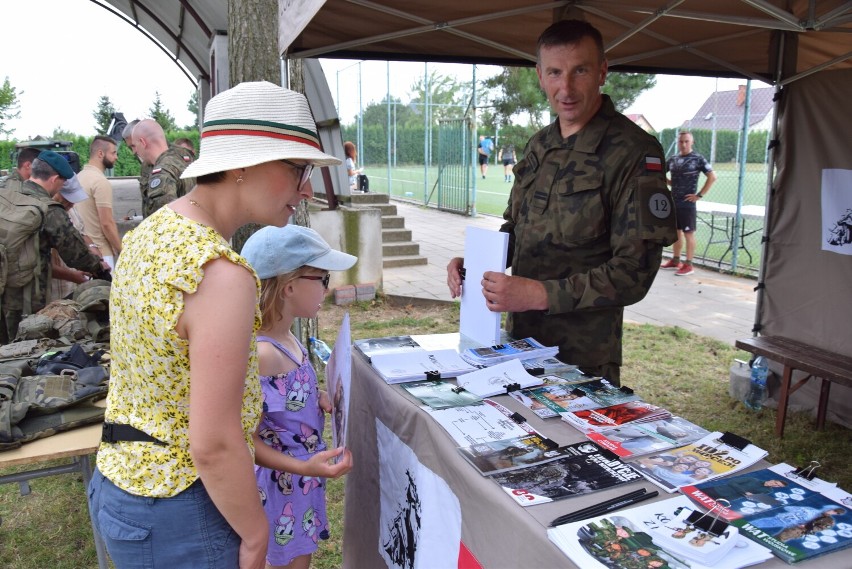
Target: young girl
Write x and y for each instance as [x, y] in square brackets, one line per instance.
[351, 164]
[292, 263]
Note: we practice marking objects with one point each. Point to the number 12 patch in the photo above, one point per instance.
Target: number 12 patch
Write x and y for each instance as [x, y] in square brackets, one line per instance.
[660, 205]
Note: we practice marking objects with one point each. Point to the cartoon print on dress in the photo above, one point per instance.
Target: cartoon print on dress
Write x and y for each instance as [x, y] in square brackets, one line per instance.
[309, 438]
[308, 483]
[299, 392]
[284, 480]
[311, 523]
[270, 438]
[262, 493]
[285, 525]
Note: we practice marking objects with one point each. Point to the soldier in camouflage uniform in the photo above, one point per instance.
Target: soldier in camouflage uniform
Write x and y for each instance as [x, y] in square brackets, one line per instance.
[49, 173]
[22, 173]
[164, 183]
[588, 216]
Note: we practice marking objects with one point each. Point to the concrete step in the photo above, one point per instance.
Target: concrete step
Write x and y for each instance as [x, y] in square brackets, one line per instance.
[403, 261]
[402, 248]
[393, 222]
[386, 209]
[369, 199]
[395, 235]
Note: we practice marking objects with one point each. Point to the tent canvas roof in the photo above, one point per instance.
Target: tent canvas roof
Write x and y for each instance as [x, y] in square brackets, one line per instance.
[736, 38]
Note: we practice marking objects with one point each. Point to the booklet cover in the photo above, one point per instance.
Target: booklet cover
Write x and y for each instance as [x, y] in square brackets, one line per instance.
[524, 349]
[645, 438]
[484, 250]
[621, 414]
[584, 468]
[794, 517]
[509, 454]
[703, 460]
[440, 394]
[653, 535]
[552, 399]
[413, 366]
[498, 379]
[389, 345]
[338, 374]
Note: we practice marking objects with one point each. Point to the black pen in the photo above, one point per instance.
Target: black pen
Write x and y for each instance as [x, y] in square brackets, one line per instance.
[561, 519]
[611, 507]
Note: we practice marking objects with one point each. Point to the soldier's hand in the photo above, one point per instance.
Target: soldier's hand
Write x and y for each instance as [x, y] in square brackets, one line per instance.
[454, 276]
[512, 294]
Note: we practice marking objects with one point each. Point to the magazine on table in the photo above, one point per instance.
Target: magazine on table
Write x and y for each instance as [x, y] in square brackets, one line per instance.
[498, 379]
[584, 468]
[705, 459]
[655, 535]
[524, 349]
[554, 366]
[645, 438]
[794, 517]
[389, 345]
[440, 394]
[510, 454]
[550, 400]
[478, 423]
[414, 366]
[600, 418]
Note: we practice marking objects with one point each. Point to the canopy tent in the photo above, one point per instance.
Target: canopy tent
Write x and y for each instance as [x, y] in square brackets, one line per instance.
[803, 47]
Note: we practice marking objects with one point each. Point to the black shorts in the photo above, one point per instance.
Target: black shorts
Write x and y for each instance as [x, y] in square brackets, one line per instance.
[483, 159]
[508, 161]
[686, 218]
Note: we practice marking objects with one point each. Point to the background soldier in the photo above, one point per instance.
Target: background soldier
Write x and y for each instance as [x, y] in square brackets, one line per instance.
[167, 164]
[22, 173]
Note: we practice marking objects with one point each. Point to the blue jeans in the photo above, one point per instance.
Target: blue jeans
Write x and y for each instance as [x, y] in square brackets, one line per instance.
[184, 531]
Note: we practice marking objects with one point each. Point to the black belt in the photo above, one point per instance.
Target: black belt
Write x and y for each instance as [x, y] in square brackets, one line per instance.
[115, 432]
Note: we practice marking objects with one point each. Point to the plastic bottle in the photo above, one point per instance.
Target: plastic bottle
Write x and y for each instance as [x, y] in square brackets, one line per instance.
[320, 349]
[757, 390]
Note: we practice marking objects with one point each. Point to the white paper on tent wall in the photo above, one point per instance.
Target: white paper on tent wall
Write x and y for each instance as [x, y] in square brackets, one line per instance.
[484, 250]
[836, 234]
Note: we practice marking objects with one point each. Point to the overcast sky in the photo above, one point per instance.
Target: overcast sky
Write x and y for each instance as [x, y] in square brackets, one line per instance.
[65, 54]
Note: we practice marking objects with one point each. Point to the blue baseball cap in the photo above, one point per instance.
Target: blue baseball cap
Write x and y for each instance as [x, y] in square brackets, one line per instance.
[58, 163]
[274, 251]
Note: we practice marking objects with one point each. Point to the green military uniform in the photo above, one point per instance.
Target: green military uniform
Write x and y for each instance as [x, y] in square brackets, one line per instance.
[13, 182]
[56, 233]
[163, 183]
[588, 216]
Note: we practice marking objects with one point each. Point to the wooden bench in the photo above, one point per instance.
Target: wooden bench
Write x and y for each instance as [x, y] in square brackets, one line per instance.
[814, 361]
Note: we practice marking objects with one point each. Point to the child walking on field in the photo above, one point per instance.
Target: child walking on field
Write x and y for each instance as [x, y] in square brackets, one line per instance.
[293, 264]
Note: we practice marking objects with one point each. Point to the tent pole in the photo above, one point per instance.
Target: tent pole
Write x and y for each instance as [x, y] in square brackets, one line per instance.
[770, 183]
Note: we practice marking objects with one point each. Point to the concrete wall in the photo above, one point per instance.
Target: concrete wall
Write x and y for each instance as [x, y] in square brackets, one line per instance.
[357, 232]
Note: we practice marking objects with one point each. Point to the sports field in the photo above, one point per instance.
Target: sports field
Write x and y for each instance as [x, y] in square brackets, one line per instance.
[490, 195]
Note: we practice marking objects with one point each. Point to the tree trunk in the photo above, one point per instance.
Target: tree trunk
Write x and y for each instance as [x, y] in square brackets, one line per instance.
[253, 56]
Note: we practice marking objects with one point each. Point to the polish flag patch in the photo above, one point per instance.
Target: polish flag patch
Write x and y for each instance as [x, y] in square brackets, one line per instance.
[653, 164]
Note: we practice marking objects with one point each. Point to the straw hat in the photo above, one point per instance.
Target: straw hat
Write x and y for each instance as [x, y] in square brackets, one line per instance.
[254, 123]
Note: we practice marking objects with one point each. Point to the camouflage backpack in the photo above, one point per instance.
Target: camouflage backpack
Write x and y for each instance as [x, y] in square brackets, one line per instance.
[23, 218]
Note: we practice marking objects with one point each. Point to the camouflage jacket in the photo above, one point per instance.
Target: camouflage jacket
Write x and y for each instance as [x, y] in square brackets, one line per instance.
[164, 183]
[58, 233]
[588, 216]
[13, 181]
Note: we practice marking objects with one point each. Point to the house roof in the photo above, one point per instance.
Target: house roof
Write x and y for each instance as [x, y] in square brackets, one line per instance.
[728, 106]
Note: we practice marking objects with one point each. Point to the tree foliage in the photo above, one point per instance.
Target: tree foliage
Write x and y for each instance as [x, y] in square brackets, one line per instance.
[161, 114]
[625, 88]
[9, 106]
[513, 93]
[192, 107]
[103, 115]
[445, 96]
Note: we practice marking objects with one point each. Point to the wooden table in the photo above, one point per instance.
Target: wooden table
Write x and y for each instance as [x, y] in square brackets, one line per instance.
[77, 444]
[795, 355]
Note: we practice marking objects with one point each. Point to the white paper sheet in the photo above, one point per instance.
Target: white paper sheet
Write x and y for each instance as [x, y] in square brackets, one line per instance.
[484, 250]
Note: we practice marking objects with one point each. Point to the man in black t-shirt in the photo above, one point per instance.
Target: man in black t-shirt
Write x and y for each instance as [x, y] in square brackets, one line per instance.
[684, 170]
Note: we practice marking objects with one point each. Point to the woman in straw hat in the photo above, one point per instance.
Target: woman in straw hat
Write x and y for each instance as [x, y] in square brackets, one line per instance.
[175, 482]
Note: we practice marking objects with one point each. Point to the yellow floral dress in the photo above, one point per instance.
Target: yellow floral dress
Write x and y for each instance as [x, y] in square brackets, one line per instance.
[161, 261]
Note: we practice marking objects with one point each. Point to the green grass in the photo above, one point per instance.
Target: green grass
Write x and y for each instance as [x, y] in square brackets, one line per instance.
[669, 366]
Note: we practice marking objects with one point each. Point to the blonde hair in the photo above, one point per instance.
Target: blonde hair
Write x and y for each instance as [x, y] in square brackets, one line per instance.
[272, 295]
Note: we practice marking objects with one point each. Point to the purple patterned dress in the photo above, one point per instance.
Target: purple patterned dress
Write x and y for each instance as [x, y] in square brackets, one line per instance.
[292, 423]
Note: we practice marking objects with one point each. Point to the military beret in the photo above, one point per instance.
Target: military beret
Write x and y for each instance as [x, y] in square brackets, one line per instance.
[58, 163]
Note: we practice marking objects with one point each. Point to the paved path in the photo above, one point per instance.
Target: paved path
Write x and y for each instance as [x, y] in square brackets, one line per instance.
[707, 302]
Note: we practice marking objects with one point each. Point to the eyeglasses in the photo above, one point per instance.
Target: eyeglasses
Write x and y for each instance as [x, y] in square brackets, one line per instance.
[305, 169]
[325, 279]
